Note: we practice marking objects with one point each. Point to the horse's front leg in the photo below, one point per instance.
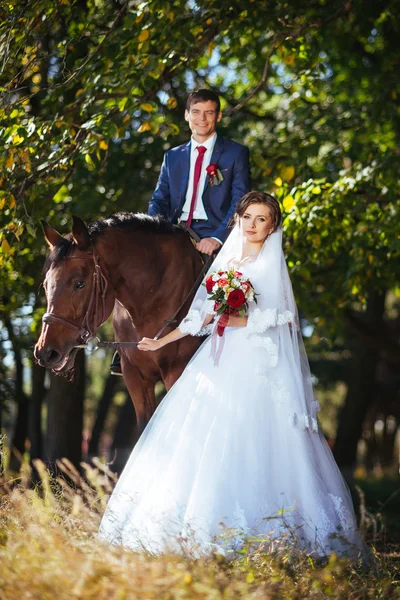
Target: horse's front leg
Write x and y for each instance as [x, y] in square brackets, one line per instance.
[139, 378]
[172, 374]
[176, 359]
[141, 390]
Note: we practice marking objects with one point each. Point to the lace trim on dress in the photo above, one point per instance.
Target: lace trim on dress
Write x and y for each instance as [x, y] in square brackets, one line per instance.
[207, 330]
[279, 393]
[192, 323]
[261, 320]
[304, 421]
[343, 513]
[270, 347]
[280, 396]
[316, 405]
[341, 520]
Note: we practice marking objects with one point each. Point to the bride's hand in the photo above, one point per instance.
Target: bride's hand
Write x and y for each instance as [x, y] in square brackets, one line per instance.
[234, 321]
[148, 344]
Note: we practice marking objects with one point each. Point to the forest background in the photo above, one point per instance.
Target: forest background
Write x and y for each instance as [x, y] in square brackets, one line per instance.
[92, 94]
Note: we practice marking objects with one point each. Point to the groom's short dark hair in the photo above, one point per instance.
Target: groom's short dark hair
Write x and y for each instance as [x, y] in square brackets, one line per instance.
[203, 95]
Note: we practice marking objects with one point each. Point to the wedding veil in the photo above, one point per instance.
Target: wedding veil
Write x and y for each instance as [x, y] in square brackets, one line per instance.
[273, 323]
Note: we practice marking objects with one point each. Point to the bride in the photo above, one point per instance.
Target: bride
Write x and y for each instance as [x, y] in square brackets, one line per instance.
[234, 452]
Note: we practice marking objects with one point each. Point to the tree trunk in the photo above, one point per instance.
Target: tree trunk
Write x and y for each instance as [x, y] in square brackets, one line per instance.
[65, 415]
[21, 423]
[387, 455]
[3, 393]
[101, 416]
[2, 450]
[35, 433]
[361, 389]
[125, 436]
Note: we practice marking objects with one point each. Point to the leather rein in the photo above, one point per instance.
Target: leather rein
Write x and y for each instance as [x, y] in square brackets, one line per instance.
[95, 313]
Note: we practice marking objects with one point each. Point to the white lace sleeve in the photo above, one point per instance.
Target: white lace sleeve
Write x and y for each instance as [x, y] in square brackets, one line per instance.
[207, 330]
[261, 320]
[192, 324]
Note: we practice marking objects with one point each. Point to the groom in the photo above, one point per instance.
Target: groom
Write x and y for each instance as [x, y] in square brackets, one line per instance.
[187, 193]
[202, 180]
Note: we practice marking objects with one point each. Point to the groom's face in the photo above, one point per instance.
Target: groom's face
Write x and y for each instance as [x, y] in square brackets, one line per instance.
[203, 118]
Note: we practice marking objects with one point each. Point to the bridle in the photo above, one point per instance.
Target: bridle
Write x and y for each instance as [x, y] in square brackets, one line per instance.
[95, 313]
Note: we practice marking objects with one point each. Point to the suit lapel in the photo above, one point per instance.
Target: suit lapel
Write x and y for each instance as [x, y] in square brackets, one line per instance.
[216, 156]
[185, 168]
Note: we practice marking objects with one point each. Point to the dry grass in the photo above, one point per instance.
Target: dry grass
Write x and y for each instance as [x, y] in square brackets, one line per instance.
[48, 550]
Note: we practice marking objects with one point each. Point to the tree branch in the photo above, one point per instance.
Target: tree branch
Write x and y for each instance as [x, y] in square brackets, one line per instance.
[283, 36]
[95, 51]
[253, 92]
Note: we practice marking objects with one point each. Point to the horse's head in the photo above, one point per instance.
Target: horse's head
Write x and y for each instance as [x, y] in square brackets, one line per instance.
[79, 296]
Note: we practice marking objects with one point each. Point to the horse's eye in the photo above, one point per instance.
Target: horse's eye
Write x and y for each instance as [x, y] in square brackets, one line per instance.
[79, 285]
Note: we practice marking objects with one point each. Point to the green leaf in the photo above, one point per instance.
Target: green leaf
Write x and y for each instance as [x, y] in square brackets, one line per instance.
[62, 194]
[31, 230]
[122, 103]
[288, 203]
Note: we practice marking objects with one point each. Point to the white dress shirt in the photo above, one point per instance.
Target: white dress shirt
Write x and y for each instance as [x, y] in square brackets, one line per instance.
[199, 211]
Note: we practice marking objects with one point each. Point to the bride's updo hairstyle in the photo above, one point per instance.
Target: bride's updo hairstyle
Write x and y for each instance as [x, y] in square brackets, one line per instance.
[259, 198]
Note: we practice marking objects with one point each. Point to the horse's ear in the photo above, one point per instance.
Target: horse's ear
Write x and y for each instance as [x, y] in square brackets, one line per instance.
[80, 233]
[53, 238]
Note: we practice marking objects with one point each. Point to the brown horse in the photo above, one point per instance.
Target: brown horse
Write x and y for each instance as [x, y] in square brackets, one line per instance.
[141, 266]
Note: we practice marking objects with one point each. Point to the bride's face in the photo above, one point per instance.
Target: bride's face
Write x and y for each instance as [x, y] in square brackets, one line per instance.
[256, 222]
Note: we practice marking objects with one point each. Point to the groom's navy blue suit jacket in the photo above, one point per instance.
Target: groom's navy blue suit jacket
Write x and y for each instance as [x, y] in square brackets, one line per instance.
[219, 201]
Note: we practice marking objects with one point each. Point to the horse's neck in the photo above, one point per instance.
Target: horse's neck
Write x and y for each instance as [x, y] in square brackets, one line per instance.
[151, 274]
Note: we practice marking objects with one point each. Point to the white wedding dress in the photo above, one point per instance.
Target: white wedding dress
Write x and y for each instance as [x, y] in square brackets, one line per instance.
[230, 455]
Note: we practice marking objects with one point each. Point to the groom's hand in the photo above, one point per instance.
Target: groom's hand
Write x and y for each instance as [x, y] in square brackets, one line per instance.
[208, 245]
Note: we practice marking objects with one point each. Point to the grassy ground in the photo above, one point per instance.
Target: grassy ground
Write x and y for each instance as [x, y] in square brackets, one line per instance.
[48, 551]
[382, 497]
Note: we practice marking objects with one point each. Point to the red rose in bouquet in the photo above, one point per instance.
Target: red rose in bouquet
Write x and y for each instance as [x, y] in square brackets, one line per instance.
[236, 299]
[209, 284]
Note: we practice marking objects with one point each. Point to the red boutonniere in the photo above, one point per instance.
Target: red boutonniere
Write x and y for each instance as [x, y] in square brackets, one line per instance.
[215, 176]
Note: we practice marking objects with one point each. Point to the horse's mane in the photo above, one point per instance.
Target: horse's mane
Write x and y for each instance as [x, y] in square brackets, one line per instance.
[124, 220]
[121, 220]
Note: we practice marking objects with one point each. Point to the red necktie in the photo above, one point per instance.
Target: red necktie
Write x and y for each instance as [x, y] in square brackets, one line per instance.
[197, 171]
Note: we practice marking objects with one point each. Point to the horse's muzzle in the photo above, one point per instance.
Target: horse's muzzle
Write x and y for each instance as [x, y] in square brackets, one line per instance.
[50, 358]
[47, 357]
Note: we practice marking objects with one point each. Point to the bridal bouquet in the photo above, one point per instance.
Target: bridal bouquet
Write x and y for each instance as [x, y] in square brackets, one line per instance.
[231, 292]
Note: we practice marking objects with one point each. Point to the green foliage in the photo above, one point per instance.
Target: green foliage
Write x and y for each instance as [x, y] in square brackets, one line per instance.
[93, 92]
